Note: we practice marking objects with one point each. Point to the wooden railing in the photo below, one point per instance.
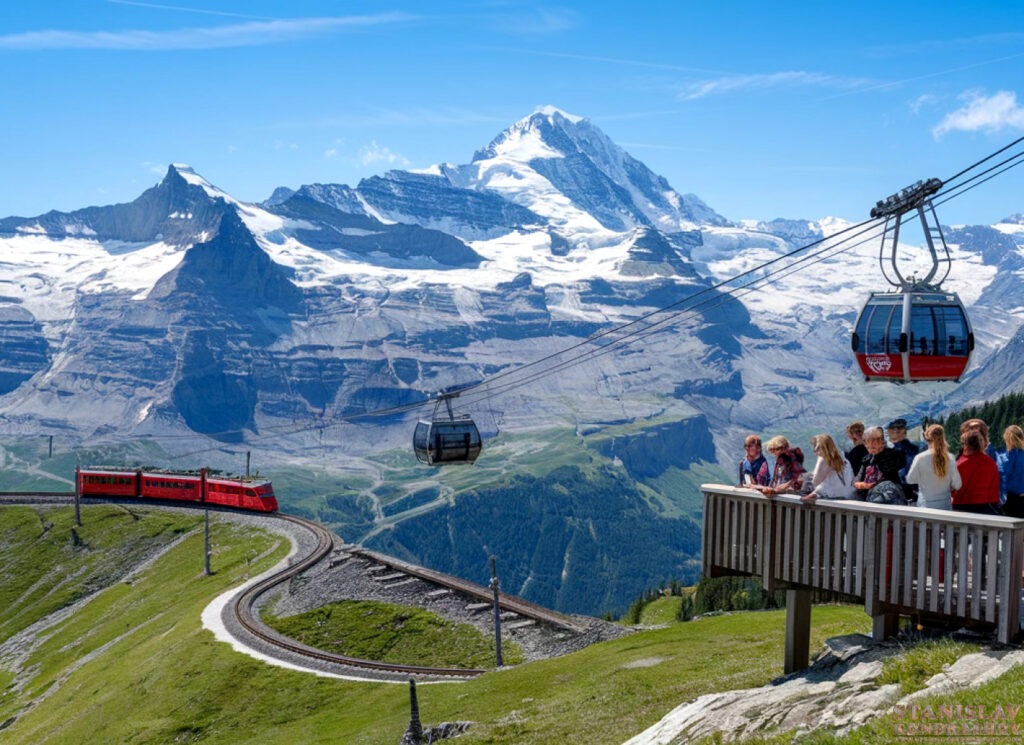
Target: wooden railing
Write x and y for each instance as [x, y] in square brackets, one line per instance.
[936, 564]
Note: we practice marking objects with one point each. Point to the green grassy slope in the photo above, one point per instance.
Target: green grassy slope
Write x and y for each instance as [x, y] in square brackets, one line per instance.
[134, 664]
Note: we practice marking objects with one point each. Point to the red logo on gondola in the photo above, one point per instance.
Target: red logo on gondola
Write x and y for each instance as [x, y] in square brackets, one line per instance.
[878, 363]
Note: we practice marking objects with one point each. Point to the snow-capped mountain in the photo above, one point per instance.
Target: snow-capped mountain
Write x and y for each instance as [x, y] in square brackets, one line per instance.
[328, 299]
[578, 288]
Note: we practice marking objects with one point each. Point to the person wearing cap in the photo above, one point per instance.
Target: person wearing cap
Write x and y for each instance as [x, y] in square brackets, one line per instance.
[897, 431]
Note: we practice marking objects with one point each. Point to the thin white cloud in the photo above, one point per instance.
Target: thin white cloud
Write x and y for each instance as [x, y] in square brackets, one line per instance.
[181, 9]
[927, 76]
[922, 101]
[374, 153]
[762, 82]
[257, 33]
[983, 114]
[610, 60]
[931, 46]
[539, 22]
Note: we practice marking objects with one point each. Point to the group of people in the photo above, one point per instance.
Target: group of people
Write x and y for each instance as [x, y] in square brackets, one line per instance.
[978, 479]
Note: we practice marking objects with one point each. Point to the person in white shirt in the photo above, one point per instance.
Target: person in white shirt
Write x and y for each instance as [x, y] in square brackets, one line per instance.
[934, 471]
[833, 475]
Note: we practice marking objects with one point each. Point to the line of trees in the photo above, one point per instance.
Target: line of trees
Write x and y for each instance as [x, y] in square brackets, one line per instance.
[718, 594]
[998, 415]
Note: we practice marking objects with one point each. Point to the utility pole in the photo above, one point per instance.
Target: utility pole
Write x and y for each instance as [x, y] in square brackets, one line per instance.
[414, 734]
[497, 612]
[248, 457]
[206, 514]
[51, 447]
[78, 495]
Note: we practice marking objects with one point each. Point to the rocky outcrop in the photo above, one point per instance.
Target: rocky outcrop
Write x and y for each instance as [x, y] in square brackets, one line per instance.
[837, 694]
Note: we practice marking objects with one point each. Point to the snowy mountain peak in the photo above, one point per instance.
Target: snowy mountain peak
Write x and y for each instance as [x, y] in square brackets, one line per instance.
[551, 112]
[548, 132]
[550, 157]
[189, 175]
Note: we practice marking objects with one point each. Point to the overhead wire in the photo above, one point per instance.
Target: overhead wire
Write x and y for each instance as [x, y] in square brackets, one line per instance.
[966, 186]
[709, 303]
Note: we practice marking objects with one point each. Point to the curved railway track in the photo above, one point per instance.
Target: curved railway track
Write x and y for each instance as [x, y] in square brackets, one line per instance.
[243, 607]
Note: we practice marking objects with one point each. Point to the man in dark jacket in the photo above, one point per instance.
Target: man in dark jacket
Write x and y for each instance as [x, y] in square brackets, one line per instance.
[897, 431]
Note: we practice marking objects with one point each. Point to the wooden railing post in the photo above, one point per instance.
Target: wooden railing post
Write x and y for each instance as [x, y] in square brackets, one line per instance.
[1010, 585]
[798, 630]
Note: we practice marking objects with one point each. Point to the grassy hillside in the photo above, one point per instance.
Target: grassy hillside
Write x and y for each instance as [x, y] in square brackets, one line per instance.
[132, 663]
[93, 652]
[373, 630]
[560, 516]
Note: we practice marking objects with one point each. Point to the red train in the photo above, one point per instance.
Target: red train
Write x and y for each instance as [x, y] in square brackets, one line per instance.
[241, 492]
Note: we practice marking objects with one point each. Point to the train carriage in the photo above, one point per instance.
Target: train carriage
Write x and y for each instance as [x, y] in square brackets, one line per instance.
[245, 493]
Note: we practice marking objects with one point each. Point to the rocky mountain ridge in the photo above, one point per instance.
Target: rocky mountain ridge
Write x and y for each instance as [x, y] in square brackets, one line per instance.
[573, 287]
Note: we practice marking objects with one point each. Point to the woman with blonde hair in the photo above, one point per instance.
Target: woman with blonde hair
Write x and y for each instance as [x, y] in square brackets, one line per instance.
[788, 474]
[1011, 472]
[833, 474]
[934, 471]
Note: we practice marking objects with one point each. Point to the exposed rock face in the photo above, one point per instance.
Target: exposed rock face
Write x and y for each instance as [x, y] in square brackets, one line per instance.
[647, 454]
[433, 201]
[23, 348]
[837, 694]
[331, 229]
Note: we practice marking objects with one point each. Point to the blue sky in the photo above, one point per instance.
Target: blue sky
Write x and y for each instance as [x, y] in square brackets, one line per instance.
[764, 110]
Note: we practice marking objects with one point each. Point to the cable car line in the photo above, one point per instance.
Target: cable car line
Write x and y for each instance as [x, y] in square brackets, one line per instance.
[759, 278]
[640, 319]
[967, 185]
[709, 303]
[718, 300]
[983, 160]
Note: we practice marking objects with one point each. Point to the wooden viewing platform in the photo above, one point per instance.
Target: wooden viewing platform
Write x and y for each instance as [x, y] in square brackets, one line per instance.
[940, 565]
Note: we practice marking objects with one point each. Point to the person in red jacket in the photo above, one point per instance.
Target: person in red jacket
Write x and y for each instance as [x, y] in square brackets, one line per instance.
[980, 477]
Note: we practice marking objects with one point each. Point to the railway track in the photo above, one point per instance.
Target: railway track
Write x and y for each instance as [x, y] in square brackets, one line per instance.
[244, 606]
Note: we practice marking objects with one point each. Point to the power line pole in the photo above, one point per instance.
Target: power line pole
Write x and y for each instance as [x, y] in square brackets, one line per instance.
[78, 495]
[206, 514]
[414, 733]
[497, 612]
